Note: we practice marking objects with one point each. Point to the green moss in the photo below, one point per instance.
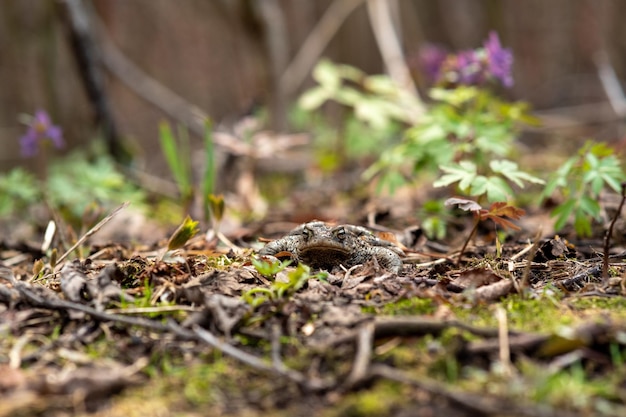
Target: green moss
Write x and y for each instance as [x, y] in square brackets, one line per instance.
[380, 400]
[407, 306]
[614, 306]
[531, 315]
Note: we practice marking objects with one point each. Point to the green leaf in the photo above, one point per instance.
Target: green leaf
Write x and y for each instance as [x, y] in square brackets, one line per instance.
[495, 187]
[371, 112]
[176, 158]
[455, 96]
[314, 98]
[590, 206]
[216, 204]
[582, 224]
[208, 179]
[464, 172]
[510, 170]
[563, 213]
[381, 85]
[327, 75]
[188, 229]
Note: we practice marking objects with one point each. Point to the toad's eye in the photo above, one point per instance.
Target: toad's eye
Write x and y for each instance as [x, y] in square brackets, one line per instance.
[340, 233]
[307, 232]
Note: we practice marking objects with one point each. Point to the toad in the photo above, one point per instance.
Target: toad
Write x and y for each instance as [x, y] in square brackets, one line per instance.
[321, 246]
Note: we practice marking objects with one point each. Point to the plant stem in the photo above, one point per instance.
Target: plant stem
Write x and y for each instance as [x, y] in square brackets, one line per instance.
[607, 238]
[471, 235]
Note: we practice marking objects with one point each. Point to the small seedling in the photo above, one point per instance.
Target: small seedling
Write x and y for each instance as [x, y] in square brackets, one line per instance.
[279, 292]
[269, 268]
[497, 213]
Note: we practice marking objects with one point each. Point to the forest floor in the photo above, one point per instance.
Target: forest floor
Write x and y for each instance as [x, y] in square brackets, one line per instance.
[532, 326]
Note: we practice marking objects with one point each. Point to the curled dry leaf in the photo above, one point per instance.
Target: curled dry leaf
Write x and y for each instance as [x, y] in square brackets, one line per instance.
[463, 204]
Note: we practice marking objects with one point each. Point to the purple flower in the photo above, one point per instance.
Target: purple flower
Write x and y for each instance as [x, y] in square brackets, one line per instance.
[500, 60]
[469, 67]
[431, 58]
[40, 129]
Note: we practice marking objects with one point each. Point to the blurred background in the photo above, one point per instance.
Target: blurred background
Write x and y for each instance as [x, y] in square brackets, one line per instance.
[152, 60]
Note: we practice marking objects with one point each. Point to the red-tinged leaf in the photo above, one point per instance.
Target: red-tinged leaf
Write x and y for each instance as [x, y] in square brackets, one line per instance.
[504, 223]
[504, 209]
[497, 213]
[463, 204]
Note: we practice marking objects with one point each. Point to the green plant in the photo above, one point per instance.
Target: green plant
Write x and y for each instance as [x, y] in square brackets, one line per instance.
[580, 180]
[494, 187]
[279, 291]
[464, 137]
[77, 183]
[269, 268]
[497, 213]
[18, 190]
[435, 218]
[178, 157]
[375, 99]
[466, 126]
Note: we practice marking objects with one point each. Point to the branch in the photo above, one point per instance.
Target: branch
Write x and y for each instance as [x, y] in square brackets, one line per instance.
[390, 48]
[310, 51]
[611, 83]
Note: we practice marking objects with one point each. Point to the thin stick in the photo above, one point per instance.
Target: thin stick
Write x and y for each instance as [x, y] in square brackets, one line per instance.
[525, 281]
[245, 357]
[607, 238]
[390, 47]
[92, 231]
[315, 43]
[610, 82]
[503, 339]
[363, 357]
[467, 241]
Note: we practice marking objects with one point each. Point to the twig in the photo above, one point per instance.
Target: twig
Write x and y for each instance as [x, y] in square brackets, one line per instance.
[525, 281]
[27, 294]
[607, 238]
[503, 339]
[149, 89]
[276, 39]
[390, 47]
[390, 326]
[198, 333]
[80, 31]
[570, 284]
[363, 357]
[522, 252]
[92, 231]
[611, 83]
[467, 241]
[157, 309]
[247, 358]
[308, 54]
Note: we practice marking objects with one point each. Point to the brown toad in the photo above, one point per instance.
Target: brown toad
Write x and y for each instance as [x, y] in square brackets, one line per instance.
[321, 246]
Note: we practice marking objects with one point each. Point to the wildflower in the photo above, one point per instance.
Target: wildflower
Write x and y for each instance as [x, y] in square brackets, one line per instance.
[470, 67]
[40, 130]
[431, 58]
[500, 60]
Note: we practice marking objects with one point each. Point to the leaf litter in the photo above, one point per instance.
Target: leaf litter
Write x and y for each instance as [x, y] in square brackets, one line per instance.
[307, 335]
